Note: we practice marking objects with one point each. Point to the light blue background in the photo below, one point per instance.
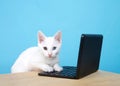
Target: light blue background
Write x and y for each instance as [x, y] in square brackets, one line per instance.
[20, 20]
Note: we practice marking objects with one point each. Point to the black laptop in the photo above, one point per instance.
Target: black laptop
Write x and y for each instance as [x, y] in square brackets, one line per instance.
[88, 59]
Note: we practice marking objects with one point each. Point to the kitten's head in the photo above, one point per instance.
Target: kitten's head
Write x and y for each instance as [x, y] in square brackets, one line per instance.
[50, 46]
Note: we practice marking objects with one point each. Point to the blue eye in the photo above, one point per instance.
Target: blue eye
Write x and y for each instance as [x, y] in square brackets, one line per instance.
[54, 48]
[45, 48]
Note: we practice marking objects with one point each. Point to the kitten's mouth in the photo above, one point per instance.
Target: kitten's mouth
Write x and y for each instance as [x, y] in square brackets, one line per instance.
[49, 56]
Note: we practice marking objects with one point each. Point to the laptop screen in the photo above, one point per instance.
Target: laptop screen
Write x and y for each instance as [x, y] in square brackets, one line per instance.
[89, 54]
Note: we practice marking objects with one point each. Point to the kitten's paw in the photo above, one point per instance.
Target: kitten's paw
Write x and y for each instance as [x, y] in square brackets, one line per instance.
[47, 68]
[57, 68]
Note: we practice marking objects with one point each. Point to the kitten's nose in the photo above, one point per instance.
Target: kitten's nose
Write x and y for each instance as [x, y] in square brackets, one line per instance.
[50, 54]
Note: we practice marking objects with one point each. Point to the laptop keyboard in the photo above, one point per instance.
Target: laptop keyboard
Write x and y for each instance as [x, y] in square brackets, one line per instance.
[68, 71]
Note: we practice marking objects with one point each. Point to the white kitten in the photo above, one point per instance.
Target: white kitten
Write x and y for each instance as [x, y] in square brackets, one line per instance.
[43, 57]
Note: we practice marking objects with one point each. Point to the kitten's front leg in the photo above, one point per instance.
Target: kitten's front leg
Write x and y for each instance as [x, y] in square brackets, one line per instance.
[46, 68]
[57, 67]
[42, 66]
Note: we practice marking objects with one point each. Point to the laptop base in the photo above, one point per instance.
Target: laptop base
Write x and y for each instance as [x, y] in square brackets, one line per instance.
[68, 72]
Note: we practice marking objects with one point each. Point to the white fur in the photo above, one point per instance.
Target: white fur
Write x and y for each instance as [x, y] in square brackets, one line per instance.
[42, 57]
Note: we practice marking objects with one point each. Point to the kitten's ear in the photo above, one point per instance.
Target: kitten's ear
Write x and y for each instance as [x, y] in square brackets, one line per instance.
[58, 36]
[41, 37]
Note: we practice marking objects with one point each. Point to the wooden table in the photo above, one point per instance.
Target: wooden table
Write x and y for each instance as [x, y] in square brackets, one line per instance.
[99, 78]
